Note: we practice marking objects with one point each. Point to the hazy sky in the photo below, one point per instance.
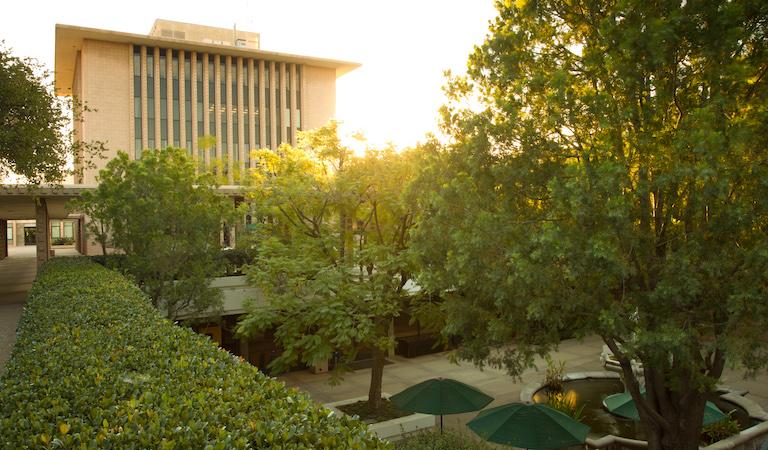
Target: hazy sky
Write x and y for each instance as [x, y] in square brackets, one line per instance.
[403, 45]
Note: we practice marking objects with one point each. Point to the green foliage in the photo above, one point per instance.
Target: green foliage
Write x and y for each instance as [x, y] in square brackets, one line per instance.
[234, 260]
[333, 232]
[166, 219]
[610, 179]
[435, 440]
[566, 404]
[718, 431]
[34, 141]
[62, 241]
[95, 366]
[553, 376]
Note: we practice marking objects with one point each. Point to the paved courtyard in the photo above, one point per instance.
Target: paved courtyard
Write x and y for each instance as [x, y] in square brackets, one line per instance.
[579, 356]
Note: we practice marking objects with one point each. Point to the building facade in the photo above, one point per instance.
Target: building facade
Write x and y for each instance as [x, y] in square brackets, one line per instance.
[184, 82]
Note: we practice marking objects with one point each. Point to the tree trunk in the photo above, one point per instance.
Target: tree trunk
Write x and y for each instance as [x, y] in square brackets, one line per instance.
[103, 240]
[685, 429]
[377, 374]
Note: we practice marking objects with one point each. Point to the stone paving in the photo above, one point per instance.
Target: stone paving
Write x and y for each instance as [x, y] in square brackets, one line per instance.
[17, 272]
[579, 356]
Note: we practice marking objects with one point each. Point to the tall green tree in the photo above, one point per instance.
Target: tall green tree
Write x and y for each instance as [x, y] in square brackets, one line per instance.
[166, 219]
[613, 181]
[35, 141]
[332, 258]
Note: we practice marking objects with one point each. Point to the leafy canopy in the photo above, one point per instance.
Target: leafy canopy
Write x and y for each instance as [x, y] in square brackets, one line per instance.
[613, 181]
[34, 138]
[334, 230]
[166, 218]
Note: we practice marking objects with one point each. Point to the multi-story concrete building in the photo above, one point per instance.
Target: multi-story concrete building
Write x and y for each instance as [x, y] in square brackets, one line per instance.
[182, 82]
[179, 83]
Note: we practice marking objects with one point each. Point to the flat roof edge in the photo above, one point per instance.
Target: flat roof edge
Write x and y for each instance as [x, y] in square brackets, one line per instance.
[69, 39]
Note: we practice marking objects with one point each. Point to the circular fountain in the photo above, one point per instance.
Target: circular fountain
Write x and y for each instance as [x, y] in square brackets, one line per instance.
[590, 388]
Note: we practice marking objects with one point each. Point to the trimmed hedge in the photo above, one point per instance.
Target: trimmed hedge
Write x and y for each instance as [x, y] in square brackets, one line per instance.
[447, 440]
[95, 366]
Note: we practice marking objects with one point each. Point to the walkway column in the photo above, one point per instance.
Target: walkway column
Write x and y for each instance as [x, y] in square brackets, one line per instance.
[4, 244]
[41, 231]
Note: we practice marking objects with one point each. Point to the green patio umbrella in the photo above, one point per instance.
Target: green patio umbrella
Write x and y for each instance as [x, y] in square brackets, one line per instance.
[440, 396]
[533, 426]
[624, 405]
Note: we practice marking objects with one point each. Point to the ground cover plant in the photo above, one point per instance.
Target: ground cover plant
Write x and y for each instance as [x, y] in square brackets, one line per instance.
[96, 366]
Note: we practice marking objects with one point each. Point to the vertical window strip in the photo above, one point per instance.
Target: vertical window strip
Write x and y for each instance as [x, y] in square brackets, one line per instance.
[137, 143]
[223, 113]
[235, 112]
[256, 117]
[212, 104]
[188, 101]
[163, 100]
[278, 105]
[151, 98]
[176, 105]
[246, 113]
[200, 110]
[299, 70]
[288, 103]
[267, 106]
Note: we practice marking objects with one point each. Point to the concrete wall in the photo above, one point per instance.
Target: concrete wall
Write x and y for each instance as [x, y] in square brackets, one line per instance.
[318, 92]
[105, 87]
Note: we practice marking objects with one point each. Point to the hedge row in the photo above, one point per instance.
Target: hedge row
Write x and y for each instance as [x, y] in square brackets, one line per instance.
[95, 366]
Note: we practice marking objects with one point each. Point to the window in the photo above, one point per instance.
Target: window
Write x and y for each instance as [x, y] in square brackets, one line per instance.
[150, 98]
[163, 100]
[288, 104]
[235, 112]
[175, 93]
[200, 110]
[223, 112]
[9, 233]
[212, 104]
[69, 230]
[298, 97]
[278, 108]
[55, 229]
[246, 113]
[188, 102]
[256, 103]
[137, 145]
[267, 119]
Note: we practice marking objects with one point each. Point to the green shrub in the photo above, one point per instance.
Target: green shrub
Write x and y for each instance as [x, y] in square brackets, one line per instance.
[434, 440]
[62, 241]
[95, 366]
[553, 377]
[233, 260]
[718, 431]
[114, 261]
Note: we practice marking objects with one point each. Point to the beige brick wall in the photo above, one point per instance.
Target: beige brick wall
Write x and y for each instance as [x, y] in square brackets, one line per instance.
[106, 85]
[319, 97]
